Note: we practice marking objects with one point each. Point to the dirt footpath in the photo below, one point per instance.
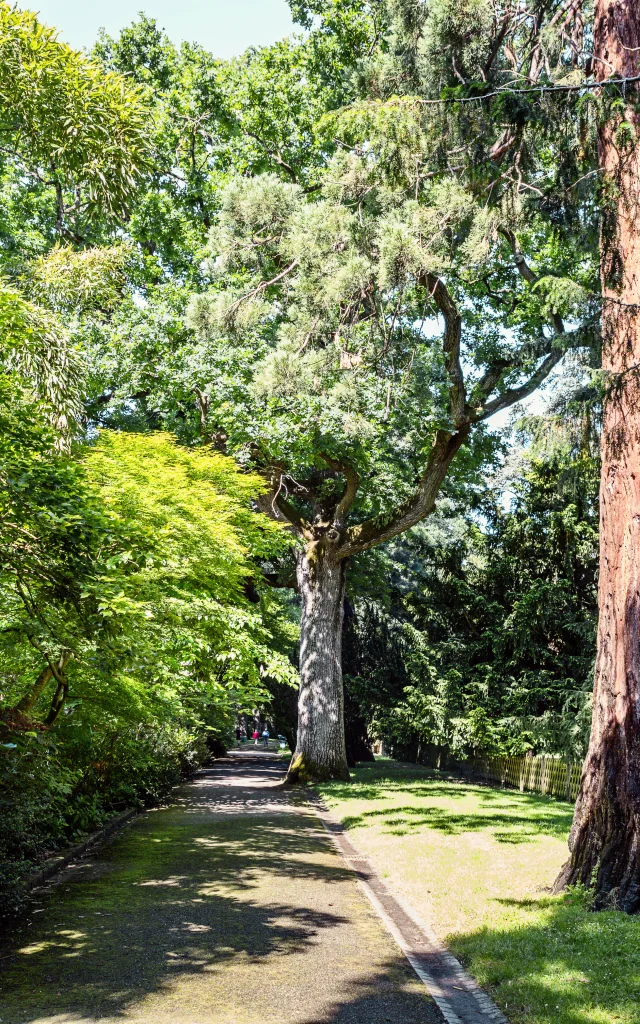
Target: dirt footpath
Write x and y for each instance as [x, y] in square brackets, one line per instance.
[229, 907]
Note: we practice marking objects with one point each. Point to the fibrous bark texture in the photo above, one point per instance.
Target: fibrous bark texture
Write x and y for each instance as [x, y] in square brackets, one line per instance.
[320, 752]
[605, 837]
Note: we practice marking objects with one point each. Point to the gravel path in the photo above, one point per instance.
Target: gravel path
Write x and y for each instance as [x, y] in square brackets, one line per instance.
[231, 906]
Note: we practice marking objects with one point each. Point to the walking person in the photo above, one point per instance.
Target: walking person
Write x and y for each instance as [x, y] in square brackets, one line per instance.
[265, 736]
[256, 736]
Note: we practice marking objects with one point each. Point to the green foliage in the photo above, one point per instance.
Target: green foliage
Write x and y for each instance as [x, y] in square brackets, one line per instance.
[486, 641]
[477, 861]
[64, 118]
[183, 586]
[71, 280]
[135, 563]
[336, 292]
[125, 634]
[36, 350]
[55, 790]
[240, 255]
[256, 113]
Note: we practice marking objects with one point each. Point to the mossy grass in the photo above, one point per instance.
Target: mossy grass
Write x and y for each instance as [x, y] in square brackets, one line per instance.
[304, 771]
[477, 862]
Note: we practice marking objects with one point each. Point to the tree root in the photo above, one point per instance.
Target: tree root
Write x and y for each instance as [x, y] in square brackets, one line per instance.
[305, 772]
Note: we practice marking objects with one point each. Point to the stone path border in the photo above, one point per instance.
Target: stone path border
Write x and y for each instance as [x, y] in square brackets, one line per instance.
[55, 865]
[458, 997]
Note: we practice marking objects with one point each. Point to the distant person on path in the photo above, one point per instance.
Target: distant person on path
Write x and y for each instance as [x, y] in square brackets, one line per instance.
[265, 736]
[256, 735]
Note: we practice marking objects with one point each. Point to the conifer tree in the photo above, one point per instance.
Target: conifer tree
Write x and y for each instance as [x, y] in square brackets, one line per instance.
[605, 836]
[519, 90]
[359, 352]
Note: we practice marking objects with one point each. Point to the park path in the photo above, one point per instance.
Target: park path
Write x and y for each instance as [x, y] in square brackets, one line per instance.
[231, 906]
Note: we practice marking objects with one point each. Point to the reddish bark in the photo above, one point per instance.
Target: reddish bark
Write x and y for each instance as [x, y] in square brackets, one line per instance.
[605, 836]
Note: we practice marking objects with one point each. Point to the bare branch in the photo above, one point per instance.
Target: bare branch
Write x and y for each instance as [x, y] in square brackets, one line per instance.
[497, 43]
[513, 395]
[274, 154]
[494, 373]
[261, 287]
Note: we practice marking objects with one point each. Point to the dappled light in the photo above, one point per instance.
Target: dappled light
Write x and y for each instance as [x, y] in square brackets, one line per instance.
[477, 863]
[206, 903]
[320, 517]
[558, 962]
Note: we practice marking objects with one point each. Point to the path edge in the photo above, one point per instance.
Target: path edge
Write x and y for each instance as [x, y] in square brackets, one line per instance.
[54, 865]
[363, 869]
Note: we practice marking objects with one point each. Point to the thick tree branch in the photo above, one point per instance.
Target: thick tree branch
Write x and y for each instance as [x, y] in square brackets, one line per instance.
[513, 395]
[275, 505]
[52, 670]
[350, 490]
[488, 382]
[58, 702]
[376, 531]
[415, 509]
[450, 344]
[494, 374]
[497, 43]
[28, 701]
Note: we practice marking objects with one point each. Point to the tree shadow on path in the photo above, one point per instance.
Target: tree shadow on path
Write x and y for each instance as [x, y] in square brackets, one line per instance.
[189, 915]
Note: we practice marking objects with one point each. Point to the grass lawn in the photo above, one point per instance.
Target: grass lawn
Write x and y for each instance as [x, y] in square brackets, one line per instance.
[476, 863]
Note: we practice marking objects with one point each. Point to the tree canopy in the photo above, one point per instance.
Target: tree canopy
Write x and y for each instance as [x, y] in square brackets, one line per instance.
[259, 319]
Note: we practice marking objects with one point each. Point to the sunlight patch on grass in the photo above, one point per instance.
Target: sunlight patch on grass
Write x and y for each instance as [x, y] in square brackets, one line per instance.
[477, 864]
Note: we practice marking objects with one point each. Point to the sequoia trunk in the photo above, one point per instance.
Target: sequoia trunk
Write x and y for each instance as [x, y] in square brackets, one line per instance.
[605, 836]
[320, 751]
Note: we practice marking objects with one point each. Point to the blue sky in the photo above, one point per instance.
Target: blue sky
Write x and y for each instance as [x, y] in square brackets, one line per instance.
[225, 27]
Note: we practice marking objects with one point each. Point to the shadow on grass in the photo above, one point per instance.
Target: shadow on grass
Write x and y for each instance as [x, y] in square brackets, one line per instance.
[512, 817]
[517, 828]
[559, 963]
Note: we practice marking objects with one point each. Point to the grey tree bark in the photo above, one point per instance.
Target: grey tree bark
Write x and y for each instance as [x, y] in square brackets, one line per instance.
[320, 752]
[327, 542]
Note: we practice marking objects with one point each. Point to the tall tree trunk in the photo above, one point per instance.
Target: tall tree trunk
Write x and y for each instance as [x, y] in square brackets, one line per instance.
[28, 701]
[320, 751]
[605, 836]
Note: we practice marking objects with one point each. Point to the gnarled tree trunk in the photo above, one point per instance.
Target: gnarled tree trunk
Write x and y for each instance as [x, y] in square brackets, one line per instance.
[27, 703]
[605, 836]
[320, 751]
